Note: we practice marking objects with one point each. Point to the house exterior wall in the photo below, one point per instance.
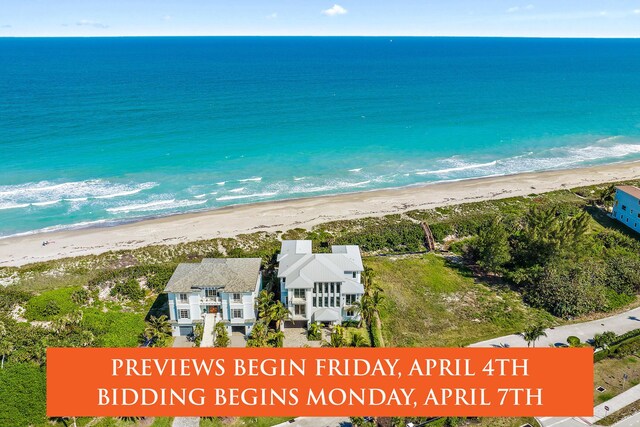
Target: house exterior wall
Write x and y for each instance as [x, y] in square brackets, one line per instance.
[626, 209]
[197, 307]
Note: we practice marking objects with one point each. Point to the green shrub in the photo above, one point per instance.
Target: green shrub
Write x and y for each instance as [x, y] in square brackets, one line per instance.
[51, 304]
[113, 329]
[574, 341]
[130, 290]
[23, 395]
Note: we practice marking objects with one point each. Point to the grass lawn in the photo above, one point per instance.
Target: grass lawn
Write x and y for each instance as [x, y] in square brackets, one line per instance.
[625, 412]
[243, 422]
[506, 422]
[608, 373]
[428, 303]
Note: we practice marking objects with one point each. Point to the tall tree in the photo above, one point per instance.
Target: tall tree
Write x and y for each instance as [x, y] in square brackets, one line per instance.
[492, 246]
[157, 331]
[533, 333]
[222, 336]
[278, 313]
[263, 302]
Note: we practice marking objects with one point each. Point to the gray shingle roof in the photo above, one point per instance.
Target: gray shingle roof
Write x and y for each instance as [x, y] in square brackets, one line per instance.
[630, 190]
[230, 274]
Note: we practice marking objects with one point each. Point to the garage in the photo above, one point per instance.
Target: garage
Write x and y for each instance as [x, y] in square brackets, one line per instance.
[238, 330]
[186, 330]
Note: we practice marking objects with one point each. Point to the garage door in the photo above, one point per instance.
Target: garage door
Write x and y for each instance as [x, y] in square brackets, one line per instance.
[238, 329]
[186, 330]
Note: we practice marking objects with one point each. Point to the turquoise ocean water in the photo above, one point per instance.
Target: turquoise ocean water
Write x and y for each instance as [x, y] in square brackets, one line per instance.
[100, 131]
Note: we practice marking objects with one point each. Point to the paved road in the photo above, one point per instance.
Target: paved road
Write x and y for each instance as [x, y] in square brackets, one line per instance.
[619, 324]
[632, 421]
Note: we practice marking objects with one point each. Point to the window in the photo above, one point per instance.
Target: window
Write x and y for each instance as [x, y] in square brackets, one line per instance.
[350, 312]
[236, 297]
[298, 293]
[299, 310]
[184, 314]
[211, 293]
[354, 274]
[332, 287]
[350, 299]
[184, 298]
[624, 207]
[338, 288]
[315, 302]
[326, 288]
[236, 313]
[326, 301]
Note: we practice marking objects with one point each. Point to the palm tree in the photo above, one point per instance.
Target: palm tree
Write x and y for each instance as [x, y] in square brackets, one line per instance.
[278, 313]
[608, 196]
[364, 307]
[263, 302]
[337, 338]
[533, 333]
[314, 332]
[259, 335]
[604, 339]
[222, 336]
[158, 329]
[277, 338]
[357, 340]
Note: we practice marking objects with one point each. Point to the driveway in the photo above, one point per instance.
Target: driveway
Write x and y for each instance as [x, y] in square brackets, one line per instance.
[621, 323]
[237, 339]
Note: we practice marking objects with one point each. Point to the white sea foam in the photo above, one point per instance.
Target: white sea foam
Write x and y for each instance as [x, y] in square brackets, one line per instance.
[462, 166]
[246, 196]
[75, 226]
[46, 193]
[200, 196]
[156, 206]
[237, 190]
[221, 183]
[302, 178]
[47, 203]
[257, 179]
[355, 170]
[4, 206]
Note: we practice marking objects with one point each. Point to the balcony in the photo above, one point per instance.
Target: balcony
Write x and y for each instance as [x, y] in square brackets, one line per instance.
[210, 300]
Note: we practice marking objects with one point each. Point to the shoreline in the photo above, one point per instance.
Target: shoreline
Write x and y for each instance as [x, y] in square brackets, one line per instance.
[283, 215]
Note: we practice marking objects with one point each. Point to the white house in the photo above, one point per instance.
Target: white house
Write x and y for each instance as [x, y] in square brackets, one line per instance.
[222, 288]
[626, 208]
[320, 287]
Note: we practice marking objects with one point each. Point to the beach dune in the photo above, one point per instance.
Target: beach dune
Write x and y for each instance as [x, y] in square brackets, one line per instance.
[303, 213]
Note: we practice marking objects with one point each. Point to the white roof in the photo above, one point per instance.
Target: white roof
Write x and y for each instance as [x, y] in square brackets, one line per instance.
[302, 268]
[326, 315]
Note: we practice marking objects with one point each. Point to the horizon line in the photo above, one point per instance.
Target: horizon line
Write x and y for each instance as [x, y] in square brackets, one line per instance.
[318, 36]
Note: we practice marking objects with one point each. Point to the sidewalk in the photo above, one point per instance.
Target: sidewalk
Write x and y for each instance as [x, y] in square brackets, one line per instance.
[620, 324]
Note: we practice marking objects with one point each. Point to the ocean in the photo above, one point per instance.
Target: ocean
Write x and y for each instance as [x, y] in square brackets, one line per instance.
[99, 131]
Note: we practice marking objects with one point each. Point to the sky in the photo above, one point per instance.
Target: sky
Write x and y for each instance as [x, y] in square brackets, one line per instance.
[505, 18]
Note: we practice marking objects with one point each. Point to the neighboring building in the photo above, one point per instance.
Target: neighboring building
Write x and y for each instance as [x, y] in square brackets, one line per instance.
[626, 208]
[320, 287]
[223, 287]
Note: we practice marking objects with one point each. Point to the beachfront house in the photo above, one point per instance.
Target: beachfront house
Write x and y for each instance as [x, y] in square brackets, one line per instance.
[321, 287]
[626, 208]
[216, 289]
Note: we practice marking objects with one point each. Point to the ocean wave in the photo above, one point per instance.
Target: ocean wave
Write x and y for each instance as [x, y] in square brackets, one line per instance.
[156, 206]
[46, 193]
[257, 179]
[4, 206]
[74, 226]
[246, 196]
[237, 190]
[355, 170]
[47, 203]
[461, 167]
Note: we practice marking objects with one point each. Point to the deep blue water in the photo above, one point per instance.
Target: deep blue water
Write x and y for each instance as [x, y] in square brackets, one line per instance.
[101, 130]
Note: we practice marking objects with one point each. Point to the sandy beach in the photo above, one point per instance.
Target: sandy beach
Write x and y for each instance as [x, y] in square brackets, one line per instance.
[303, 213]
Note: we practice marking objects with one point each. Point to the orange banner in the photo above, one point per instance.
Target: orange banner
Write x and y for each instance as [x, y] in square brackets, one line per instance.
[319, 382]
